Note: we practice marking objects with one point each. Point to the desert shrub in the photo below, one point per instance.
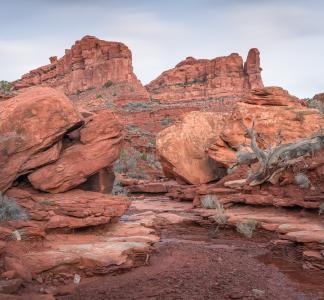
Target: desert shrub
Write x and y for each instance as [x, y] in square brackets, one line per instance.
[137, 106]
[321, 208]
[114, 94]
[47, 202]
[220, 219]
[99, 96]
[110, 105]
[78, 92]
[108, 84]
[5, 86]
[90, 88]
[126, 162]
[302, 181]
[166, 121]
[10, 210]
[151, 143]
[118, 189]
[211, 202]
[300, 116]
[313, 103]
[132, 128]
[246, 227]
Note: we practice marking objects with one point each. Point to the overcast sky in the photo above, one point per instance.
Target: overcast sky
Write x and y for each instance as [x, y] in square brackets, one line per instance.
[288, 33]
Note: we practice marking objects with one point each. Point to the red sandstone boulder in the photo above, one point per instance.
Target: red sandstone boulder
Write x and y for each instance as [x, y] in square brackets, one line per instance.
[72, 209]
[278, 116]
[32, 124]
[182, 147]
[99, 146]
[204, 79]
[90, 63]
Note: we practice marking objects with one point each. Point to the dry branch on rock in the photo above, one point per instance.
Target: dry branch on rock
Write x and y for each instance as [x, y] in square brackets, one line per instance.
[273, 161]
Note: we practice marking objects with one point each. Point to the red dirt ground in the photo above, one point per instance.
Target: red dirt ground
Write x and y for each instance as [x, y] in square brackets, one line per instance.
[195, 263]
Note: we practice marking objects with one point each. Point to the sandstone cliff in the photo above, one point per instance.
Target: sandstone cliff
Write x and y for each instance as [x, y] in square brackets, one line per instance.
[207, 79]
[90, 63]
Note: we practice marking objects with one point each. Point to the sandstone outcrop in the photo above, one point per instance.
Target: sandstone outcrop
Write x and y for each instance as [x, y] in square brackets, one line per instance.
[319, 97]
[69, 210]
[99, 146]
[278, 117]
[90, 63]
[32, 125]
[182, 147]
[207, 79]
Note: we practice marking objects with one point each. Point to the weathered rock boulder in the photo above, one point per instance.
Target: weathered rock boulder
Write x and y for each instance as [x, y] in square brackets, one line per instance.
[72, 209]
[279, 118]
[31, 127]
[182, 147]
[204, 79]
[99, 146]
[90, 63]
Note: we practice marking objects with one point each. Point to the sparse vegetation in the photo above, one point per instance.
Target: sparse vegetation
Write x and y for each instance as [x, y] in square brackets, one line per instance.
[273, 161]
[5, 87]
[166, 121]
[47, 202]
[211, 202]
[313, 103]
[246, 227]
[131, 162]
[118, 189]
[302, 181]
[321, 208]
[137, 106]
[108, 84]
[99, 96]
[110, 105]
[10, 210]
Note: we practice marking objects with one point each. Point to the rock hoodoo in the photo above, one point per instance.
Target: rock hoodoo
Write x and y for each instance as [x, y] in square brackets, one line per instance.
[207, 79]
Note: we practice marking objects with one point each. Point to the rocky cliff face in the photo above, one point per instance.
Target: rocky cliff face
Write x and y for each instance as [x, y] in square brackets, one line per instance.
[204, 79]
[90, 63]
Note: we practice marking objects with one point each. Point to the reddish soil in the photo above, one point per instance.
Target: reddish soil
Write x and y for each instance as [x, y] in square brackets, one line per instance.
[197, 263]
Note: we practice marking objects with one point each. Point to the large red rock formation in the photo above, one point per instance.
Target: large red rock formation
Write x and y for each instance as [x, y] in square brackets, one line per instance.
[278, 117]
[32, 125]
[90, 63]
[99, 146]
[206, 79]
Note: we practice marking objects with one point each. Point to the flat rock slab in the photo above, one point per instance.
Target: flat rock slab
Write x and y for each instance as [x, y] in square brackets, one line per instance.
[98, 253]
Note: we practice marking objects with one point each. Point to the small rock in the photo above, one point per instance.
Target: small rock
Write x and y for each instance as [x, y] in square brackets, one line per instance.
[9, 274]
[258, 294]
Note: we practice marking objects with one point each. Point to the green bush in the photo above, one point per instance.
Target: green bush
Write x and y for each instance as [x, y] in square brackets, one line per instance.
[10, 210]
[5, 86]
